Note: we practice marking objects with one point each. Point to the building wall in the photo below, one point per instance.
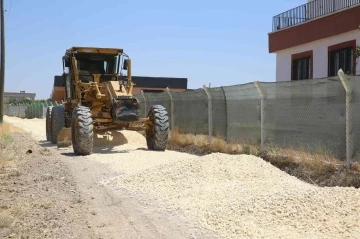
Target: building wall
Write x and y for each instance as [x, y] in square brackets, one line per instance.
[137, 90]
[320, 55]
[18, 96]
[318, 28]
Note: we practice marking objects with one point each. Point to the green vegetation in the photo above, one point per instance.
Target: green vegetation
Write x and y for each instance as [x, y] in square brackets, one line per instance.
[356, 56]
[27, 101]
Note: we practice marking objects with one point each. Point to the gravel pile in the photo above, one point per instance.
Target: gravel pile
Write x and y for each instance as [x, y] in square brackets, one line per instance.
[246, 197]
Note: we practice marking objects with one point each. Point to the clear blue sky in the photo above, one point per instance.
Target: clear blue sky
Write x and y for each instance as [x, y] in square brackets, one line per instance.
[218, 42]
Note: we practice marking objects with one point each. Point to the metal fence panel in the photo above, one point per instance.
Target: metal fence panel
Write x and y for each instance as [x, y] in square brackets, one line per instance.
[306, 114]
[354, 82]
[218, 112]
[158, 99]
[243, 113]
[33, 110]
[191, 111]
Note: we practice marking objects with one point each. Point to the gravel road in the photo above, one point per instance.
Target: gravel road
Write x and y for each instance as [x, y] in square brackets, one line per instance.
[178, 195]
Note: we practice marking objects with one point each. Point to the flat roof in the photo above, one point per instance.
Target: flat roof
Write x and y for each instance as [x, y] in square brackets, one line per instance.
[81, 49]
[160, 82]
[17, 94]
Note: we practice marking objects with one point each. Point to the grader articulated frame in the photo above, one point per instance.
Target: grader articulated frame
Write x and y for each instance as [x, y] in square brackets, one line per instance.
[98, 97]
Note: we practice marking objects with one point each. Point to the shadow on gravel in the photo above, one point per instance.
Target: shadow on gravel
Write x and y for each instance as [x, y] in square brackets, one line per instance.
[98, 151]
[104, 143]
[109, 150]
[46, 144]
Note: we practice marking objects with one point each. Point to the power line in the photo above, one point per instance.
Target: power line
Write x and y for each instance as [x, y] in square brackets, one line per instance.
[2, 65]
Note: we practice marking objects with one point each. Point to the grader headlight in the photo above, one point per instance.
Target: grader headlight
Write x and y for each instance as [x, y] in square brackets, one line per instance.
[124, 82]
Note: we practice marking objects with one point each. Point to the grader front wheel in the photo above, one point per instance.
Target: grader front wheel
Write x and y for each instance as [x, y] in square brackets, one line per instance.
[82, 131]
[57, 122]
[158, 133]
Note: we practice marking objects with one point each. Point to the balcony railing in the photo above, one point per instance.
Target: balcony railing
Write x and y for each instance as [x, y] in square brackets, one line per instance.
[310, 10]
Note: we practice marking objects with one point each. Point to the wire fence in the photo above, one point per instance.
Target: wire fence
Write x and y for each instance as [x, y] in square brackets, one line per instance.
[315, 114]
[29, 110]
[312, 114]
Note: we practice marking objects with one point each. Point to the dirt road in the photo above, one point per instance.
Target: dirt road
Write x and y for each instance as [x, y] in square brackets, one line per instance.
[129, 192]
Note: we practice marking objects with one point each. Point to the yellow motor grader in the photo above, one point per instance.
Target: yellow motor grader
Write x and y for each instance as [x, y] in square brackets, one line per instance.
[98, 97]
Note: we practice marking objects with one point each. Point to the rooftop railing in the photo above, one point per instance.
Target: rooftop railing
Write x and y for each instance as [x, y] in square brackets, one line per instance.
[310, 10]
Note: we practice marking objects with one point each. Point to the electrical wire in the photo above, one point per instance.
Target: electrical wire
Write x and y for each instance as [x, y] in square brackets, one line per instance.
[8, 11]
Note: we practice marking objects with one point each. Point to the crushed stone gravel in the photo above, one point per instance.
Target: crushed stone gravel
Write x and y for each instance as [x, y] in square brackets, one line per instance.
[246, 197]
[236, 196]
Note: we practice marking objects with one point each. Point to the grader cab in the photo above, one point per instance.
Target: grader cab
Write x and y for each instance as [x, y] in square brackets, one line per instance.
[98, 97]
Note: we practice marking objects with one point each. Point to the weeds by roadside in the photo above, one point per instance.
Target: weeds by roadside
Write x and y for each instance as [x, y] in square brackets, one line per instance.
[319, 168]
[7, 152]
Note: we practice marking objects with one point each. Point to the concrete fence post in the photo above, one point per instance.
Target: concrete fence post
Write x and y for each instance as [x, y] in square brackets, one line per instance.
[262, 113]
[145, 103]
[172, 119]
[210, 118]
[349, 134]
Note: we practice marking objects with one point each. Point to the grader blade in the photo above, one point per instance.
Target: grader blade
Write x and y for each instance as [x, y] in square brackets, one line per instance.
[64, 138]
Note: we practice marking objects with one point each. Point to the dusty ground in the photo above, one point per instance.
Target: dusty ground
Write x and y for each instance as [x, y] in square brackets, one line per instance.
[125, 191]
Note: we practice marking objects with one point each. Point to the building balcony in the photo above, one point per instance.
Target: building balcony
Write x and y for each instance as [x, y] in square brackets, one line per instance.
[310, 11]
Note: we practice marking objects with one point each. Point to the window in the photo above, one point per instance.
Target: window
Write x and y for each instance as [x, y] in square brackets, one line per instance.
[341, 58]
[301, 68]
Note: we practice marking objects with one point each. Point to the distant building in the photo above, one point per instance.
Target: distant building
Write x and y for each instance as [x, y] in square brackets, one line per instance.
[316, 39]
[14, 96]
[145, 83]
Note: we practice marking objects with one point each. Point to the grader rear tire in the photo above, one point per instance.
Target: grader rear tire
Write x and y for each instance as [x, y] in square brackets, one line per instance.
[57, 122]
[158, 134]
[82, 131]
[48, 123]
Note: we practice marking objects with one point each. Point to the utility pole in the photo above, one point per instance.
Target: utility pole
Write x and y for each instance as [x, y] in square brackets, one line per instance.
[2, 65]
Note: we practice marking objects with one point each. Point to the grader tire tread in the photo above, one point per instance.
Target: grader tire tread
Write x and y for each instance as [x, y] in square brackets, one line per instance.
[83, 124]
[159, 139]
[48, 123]
[57, 122]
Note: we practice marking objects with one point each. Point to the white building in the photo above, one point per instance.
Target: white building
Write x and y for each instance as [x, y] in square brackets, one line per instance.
[15, 96]
[316, 39]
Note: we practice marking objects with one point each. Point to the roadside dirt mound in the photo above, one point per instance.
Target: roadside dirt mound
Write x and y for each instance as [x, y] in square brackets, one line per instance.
[246, 197]
[39, 198]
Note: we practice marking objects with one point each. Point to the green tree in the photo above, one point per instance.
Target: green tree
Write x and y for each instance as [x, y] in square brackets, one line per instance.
[356, 56]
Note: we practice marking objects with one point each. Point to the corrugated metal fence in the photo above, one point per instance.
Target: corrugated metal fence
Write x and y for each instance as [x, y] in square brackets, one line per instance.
[30, 111]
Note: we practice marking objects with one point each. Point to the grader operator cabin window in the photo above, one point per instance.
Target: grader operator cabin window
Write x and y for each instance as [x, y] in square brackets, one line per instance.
[106, 65]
